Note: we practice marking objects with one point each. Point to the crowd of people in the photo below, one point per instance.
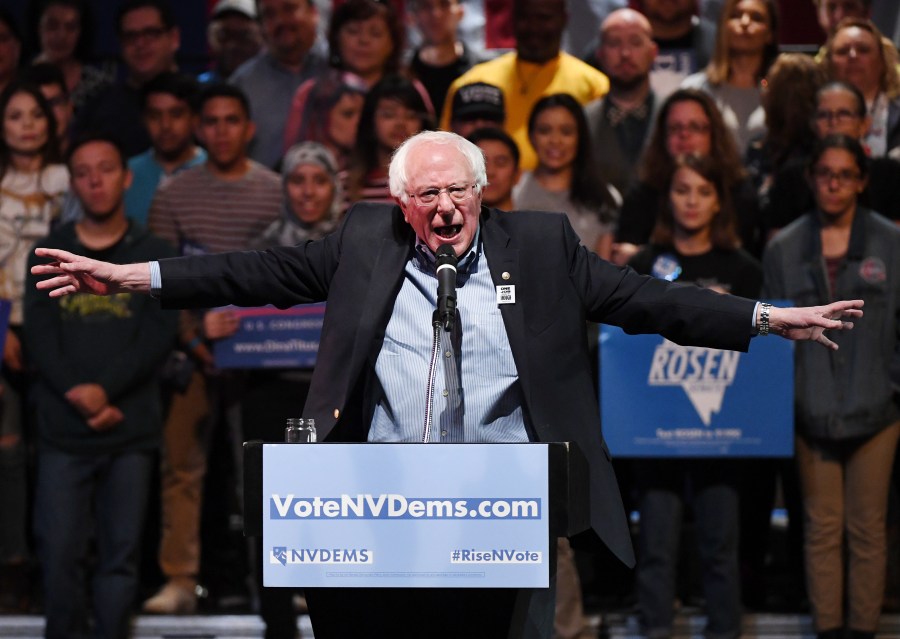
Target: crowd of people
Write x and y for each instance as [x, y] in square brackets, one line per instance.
[685, 149]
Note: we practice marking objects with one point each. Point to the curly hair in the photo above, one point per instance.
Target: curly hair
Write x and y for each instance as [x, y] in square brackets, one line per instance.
[889, 82]
[656, 164]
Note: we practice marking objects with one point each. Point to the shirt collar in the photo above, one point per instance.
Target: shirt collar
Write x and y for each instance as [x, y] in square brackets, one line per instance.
[426, 257]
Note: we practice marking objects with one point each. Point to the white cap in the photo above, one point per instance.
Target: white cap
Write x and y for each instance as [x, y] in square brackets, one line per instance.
[244, 7]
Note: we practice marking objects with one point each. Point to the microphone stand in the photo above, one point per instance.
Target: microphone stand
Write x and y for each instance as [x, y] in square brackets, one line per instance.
[432, 371]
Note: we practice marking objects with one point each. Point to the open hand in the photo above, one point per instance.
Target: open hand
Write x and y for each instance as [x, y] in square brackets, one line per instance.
[76, 274]
[811, 322]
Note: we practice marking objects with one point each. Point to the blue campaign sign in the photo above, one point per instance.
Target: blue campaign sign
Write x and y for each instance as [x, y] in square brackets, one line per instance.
[405, 515]
[272, 338]
[660, 399]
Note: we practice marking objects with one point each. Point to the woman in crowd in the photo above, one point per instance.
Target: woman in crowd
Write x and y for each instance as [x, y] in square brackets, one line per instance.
[336, 98]
[688, 122]
[857, 53]
[312, 197]
[788, 106]
[694, 241]
[566, 177]
[32, 185]
[394, 109]
[746, 44]
[10, 47]
[365, 38]
[847, 421]
[62, 34]
[312, 209]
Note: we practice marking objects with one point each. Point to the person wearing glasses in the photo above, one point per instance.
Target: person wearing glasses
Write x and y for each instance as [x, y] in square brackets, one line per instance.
[688, 122]
[840, 109]
[857, 53]
[847, 421]
[150, 38]
[512, 372]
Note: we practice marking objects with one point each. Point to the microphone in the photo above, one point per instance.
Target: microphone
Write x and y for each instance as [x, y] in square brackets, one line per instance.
[446, 293]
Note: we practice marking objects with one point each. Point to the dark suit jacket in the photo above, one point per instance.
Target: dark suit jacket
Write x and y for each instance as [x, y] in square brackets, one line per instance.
[559, 286]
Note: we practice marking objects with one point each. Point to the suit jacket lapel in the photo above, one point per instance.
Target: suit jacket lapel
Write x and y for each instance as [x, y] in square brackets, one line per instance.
[503, 259]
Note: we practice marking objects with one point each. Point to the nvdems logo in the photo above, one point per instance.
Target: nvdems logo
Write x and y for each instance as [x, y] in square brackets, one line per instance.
[294, 556]
[703, 374]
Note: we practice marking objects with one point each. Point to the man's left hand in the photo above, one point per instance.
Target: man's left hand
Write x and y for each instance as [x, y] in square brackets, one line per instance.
[811, 322]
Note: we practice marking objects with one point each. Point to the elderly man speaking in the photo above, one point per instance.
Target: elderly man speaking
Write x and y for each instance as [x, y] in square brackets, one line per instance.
[521, 358]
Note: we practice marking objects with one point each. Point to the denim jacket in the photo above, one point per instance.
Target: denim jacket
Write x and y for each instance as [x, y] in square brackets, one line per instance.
[845, 393]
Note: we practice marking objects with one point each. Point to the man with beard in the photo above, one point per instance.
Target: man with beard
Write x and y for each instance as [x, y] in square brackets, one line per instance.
[536, 68]
[168, 108]
[620, 122]
[269, 80]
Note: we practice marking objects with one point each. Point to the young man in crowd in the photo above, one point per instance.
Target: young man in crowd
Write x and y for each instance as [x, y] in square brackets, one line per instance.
[98, 411]
[221, 205]
[234, 37]
[501, 158]
[476, 106]
[168, 107]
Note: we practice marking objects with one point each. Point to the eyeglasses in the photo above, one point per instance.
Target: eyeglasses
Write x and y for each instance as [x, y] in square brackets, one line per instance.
[150, 33]
[693, 128]
[841, 116]
[456, 192]
[824, 176]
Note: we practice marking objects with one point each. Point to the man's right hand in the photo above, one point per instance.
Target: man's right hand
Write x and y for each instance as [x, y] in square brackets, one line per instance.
[220, 324]
[88, 399]
[76, 274]
[108, 417]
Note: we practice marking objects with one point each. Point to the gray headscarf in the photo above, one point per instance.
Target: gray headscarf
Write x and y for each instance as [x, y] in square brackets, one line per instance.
[289, 230]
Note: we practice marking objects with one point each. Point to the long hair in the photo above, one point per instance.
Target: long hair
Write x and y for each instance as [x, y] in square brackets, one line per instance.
[357, 11]
[656, 163]
[792, 85]
[327, 91]
[50, 153]
[719, 68]
[890, 77]
[723, 228]
[588, 188]
[364, 158]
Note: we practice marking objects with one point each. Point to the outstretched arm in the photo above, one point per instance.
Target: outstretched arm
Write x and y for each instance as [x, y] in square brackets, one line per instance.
[76, 274]
[810, 322]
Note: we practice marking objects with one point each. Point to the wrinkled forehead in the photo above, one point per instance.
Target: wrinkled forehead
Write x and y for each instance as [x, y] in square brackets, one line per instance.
[437, 165]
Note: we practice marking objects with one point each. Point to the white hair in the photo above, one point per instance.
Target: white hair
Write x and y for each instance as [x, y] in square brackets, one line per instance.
[399, 176]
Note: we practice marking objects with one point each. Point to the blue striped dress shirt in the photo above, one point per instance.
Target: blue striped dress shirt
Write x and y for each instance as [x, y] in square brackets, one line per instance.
[477, 396]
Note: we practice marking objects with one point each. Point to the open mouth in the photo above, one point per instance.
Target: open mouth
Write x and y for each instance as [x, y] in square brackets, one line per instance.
[448, 231]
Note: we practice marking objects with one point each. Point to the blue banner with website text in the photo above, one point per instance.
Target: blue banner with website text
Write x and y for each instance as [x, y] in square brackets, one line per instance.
[272, 338]
[660, 399]
[406, 515]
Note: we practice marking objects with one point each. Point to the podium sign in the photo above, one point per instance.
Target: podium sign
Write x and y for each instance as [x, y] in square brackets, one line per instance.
[660, 399]
[405, 515]
[268, 337]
